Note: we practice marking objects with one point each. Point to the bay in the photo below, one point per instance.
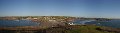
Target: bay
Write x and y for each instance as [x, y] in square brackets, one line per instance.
[14, 23]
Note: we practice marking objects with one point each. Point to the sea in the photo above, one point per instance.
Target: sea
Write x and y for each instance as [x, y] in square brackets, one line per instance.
[15, 23]
[112, 23]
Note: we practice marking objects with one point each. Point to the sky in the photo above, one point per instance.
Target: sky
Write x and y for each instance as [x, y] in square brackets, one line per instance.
[81, 8]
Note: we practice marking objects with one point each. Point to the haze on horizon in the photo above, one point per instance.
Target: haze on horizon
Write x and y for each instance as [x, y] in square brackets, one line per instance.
[83, 8]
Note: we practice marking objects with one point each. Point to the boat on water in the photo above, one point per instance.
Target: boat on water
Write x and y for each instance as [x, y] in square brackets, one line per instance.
[71, 23]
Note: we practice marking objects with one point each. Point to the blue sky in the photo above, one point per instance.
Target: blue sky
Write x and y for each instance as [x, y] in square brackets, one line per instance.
[83, 8]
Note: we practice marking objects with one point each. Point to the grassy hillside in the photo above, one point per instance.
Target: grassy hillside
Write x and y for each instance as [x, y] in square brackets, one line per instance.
[78, 29]
[65, 29]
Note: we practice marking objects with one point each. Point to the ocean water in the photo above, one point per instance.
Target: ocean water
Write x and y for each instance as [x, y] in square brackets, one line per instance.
[14, 23]
[112, 23]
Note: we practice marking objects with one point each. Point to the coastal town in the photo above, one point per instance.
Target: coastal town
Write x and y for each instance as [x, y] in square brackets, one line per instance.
[40, 18]
[51, 18]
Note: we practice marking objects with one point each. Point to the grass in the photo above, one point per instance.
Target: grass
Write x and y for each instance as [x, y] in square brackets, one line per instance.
[87, 29]
[66, 29]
